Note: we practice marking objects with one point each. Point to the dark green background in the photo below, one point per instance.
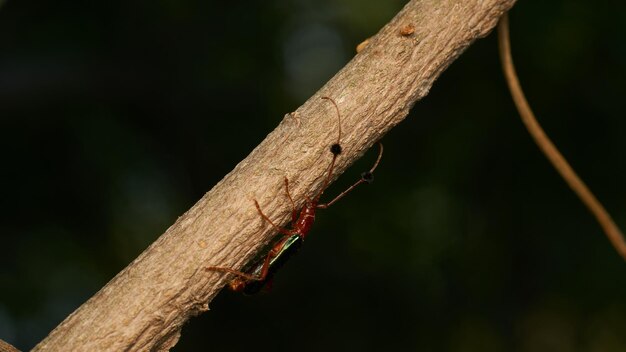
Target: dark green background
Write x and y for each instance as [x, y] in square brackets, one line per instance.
[116, 117]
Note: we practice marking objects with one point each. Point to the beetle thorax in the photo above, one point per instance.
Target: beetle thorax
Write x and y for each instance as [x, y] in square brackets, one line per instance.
[306, 218]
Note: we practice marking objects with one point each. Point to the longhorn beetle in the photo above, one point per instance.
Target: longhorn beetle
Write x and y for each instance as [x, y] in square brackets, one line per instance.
[291, 240]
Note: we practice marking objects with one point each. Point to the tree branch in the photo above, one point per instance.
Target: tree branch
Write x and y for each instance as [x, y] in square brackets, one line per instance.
[5, 346]
[146, 304]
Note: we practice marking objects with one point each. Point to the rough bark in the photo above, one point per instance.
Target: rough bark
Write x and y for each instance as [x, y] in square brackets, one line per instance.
[146, 304]
[4, 346]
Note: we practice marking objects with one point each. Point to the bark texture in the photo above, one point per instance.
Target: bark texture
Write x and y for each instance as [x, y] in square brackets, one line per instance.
[144, 307]
[4, 346]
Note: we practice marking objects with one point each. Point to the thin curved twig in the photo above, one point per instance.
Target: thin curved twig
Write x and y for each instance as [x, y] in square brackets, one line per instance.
[547, 147]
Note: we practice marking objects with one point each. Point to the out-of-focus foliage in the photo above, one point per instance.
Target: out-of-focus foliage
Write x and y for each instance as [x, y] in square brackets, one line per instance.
[116, 117]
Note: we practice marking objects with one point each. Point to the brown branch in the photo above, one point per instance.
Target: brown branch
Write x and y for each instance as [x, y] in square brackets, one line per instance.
[549, 149]
[145, 305]
[4, 346]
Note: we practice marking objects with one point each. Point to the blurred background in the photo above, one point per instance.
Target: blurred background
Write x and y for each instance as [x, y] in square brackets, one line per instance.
[117, 116]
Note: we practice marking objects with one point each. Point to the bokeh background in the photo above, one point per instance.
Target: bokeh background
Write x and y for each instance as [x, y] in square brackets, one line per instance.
[117, 116]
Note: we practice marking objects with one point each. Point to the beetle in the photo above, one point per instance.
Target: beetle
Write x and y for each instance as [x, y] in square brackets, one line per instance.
[301, 223]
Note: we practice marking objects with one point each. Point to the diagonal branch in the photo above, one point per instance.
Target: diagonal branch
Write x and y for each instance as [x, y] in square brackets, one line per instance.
[146, 304]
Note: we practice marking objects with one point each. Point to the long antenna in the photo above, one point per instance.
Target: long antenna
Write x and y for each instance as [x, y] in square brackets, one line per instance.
[366, 177]
[338, 117]
[335, 149]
